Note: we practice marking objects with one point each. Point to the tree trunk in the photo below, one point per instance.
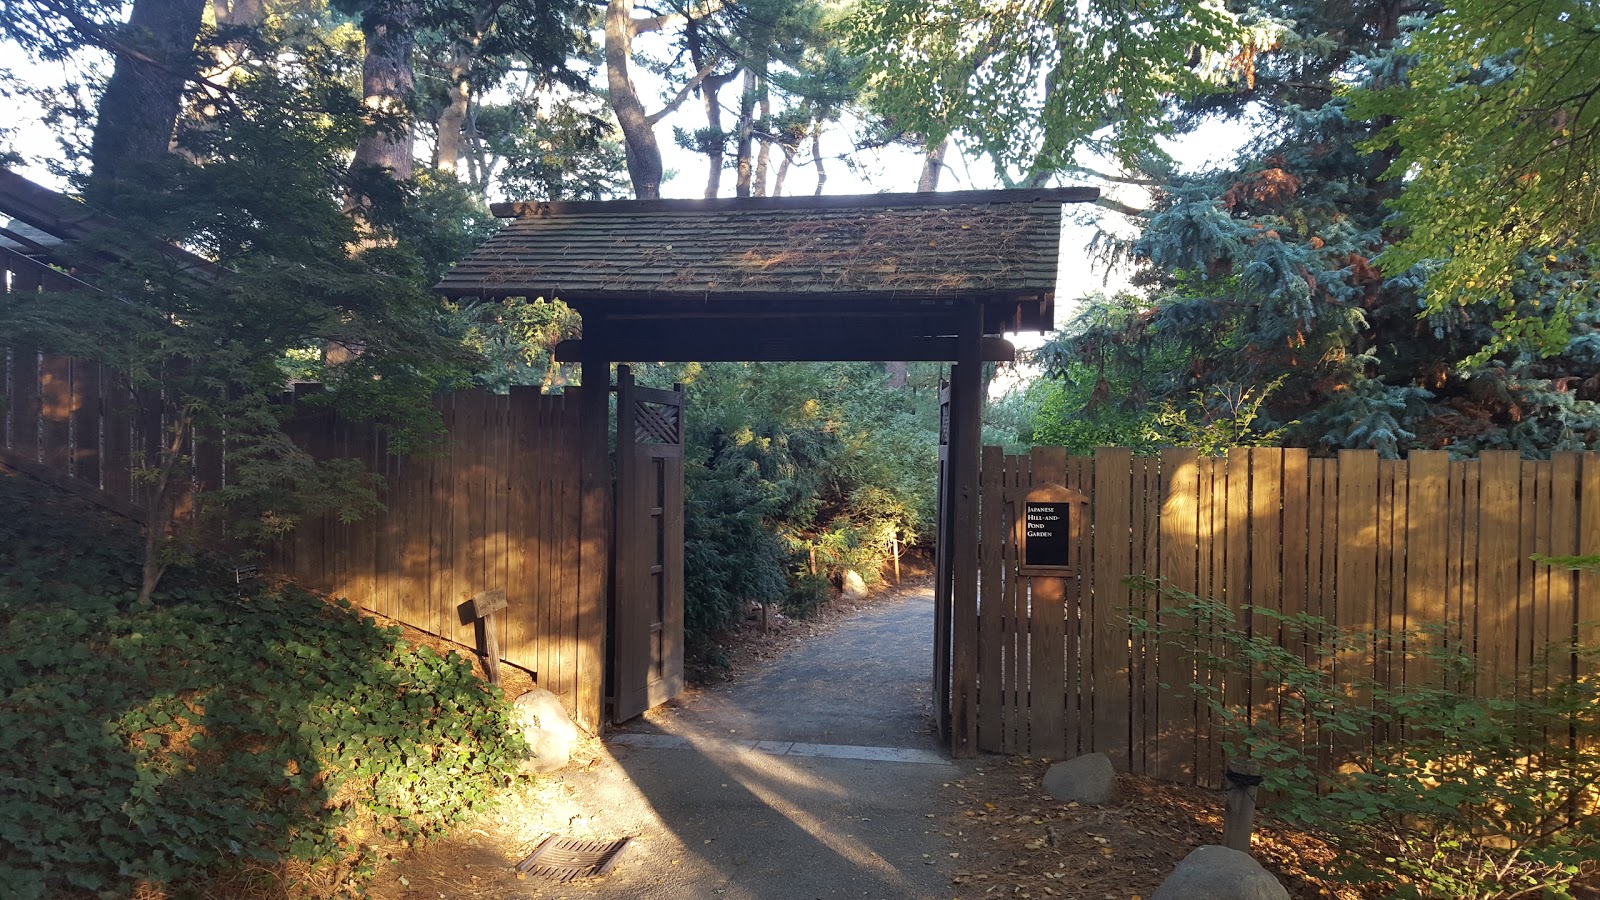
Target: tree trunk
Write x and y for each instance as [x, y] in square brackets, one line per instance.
[710, 89]
[155, 60]
[783, 170]
[452, 122]
[816, 159]
[387, 87]
[765, 153]
[638, 134]
[933, 167]
[163, 501]
[899, 374]
[747, 127]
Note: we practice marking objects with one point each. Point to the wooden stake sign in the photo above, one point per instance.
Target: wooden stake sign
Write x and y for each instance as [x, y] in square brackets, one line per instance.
[482, 608]
[1052, 522]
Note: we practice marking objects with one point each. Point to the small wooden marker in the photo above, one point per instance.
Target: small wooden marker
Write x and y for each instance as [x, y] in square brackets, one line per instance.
[483, 607]
[1244, 777]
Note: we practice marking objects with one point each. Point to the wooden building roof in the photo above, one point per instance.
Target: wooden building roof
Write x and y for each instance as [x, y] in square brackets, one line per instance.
[47, 231]
[779, 267]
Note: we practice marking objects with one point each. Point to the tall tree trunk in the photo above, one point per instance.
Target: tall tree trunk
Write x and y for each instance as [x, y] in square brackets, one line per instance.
[783, 170]
[747, 127]
[638, 133]
[388, 86]
[711, 89]
[816, 159]
[933, 167]
[765, 153]
[452, 122]
[139, 111]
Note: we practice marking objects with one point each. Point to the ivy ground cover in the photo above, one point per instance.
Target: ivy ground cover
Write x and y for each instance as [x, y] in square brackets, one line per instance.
[258, 737]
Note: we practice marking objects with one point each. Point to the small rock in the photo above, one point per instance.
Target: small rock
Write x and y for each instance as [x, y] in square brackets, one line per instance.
[1087, 779]
[853, 585]
[548, 730]
[1219, 873]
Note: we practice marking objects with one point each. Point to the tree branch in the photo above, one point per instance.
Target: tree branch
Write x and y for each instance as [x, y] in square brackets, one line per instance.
[1105, 202]
[677, 101]
[673, 20]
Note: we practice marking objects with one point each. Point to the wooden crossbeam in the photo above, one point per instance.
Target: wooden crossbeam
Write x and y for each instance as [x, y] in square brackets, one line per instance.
[762, 348]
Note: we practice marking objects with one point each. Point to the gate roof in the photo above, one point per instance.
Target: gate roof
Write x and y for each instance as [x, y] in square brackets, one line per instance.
[782, 277]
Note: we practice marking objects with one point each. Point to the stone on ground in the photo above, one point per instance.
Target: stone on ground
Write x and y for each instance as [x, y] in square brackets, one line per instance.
[547, 728]
[854, 586]
[1087, 779]
[1214, 872]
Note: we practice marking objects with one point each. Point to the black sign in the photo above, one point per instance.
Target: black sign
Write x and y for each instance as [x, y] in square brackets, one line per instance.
[1047, 543]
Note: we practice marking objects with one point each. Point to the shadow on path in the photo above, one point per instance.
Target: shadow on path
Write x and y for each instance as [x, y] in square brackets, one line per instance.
[815, 777]
[757, 789]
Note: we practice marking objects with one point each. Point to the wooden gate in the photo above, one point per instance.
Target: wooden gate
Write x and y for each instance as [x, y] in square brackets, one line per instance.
[647, 603]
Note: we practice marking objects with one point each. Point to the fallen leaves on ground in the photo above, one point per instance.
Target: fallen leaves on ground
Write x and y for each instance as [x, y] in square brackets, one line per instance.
[1011, 839]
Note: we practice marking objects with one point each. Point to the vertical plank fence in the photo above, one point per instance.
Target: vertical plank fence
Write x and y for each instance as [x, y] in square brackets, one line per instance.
[1368, 544]
[499, 507]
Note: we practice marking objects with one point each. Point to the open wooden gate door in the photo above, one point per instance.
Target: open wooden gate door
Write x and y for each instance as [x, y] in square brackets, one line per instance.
[648, 603]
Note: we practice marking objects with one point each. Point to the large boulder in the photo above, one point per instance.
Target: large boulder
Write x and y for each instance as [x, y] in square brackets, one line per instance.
[1214, 872]
[1087, 779]
[853, 585]
[547, 728]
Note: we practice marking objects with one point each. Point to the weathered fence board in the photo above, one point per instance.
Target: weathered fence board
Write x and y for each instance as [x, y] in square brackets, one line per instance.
[498, 508]
[1368, 544]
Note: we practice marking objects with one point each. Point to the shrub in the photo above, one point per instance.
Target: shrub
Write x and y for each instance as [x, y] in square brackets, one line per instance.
[1473, 797]
[806, 595]
[213, 730]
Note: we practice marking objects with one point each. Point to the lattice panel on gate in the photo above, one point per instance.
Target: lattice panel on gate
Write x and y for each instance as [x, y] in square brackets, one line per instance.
[656, 423]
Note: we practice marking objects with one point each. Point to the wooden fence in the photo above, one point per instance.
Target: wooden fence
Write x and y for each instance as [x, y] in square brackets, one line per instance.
[74, 422]
[1366, 543]
[499, 508]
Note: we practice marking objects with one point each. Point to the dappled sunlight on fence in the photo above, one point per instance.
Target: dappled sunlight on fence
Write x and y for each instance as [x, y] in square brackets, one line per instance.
[1370, 545]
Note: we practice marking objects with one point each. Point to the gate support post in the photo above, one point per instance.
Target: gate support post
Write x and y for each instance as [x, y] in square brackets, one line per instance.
[594, 564]
[966, 390]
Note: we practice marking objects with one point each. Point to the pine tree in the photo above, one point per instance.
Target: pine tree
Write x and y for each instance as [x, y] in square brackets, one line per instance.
[1266, 272]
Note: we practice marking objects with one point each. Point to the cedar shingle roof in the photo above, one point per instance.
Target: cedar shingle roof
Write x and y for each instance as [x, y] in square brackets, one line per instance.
[984, 245]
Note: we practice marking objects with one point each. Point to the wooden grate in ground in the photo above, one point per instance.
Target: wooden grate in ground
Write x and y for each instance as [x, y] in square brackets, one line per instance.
[566, 859]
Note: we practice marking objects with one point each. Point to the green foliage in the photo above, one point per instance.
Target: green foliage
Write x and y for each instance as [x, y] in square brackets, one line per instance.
[806, 595]
[1479, 791]
[1497, 145]
[1067, 417]
[1031, 83]
[173, 742]
[791, 460]
[290, 274]
[517, 339]
[1264, 271]
[1102, 392]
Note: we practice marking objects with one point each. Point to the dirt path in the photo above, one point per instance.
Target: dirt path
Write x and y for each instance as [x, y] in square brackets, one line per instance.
[815, 777]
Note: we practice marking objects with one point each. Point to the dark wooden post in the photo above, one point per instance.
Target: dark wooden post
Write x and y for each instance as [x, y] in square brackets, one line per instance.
[966, 382]
[594, 568]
